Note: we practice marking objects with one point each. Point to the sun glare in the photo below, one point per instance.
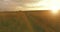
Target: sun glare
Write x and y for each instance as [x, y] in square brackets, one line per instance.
[54, 9]
[53, 5]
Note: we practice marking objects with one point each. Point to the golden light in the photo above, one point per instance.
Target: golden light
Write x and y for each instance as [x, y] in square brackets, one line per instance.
[53, 5]
[54, 9]
[54, 12]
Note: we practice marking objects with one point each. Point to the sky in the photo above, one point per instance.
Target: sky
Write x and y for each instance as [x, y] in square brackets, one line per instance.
[8, 5]
[16, 5]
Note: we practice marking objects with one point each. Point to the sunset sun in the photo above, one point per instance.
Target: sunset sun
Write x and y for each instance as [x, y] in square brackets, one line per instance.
[52, 5]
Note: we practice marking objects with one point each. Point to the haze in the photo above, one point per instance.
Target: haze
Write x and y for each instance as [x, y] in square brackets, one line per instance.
[16, 5]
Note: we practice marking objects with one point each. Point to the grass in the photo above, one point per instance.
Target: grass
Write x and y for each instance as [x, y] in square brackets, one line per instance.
[37, 21]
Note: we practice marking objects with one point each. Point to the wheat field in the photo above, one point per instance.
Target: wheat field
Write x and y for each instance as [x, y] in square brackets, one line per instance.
[29, 21]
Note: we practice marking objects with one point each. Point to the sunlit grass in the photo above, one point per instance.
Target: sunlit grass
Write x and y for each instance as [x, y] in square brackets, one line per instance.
[38, 21]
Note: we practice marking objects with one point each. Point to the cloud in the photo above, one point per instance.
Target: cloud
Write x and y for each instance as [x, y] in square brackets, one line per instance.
[8, 5]
[15, 5]
[12, 5]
